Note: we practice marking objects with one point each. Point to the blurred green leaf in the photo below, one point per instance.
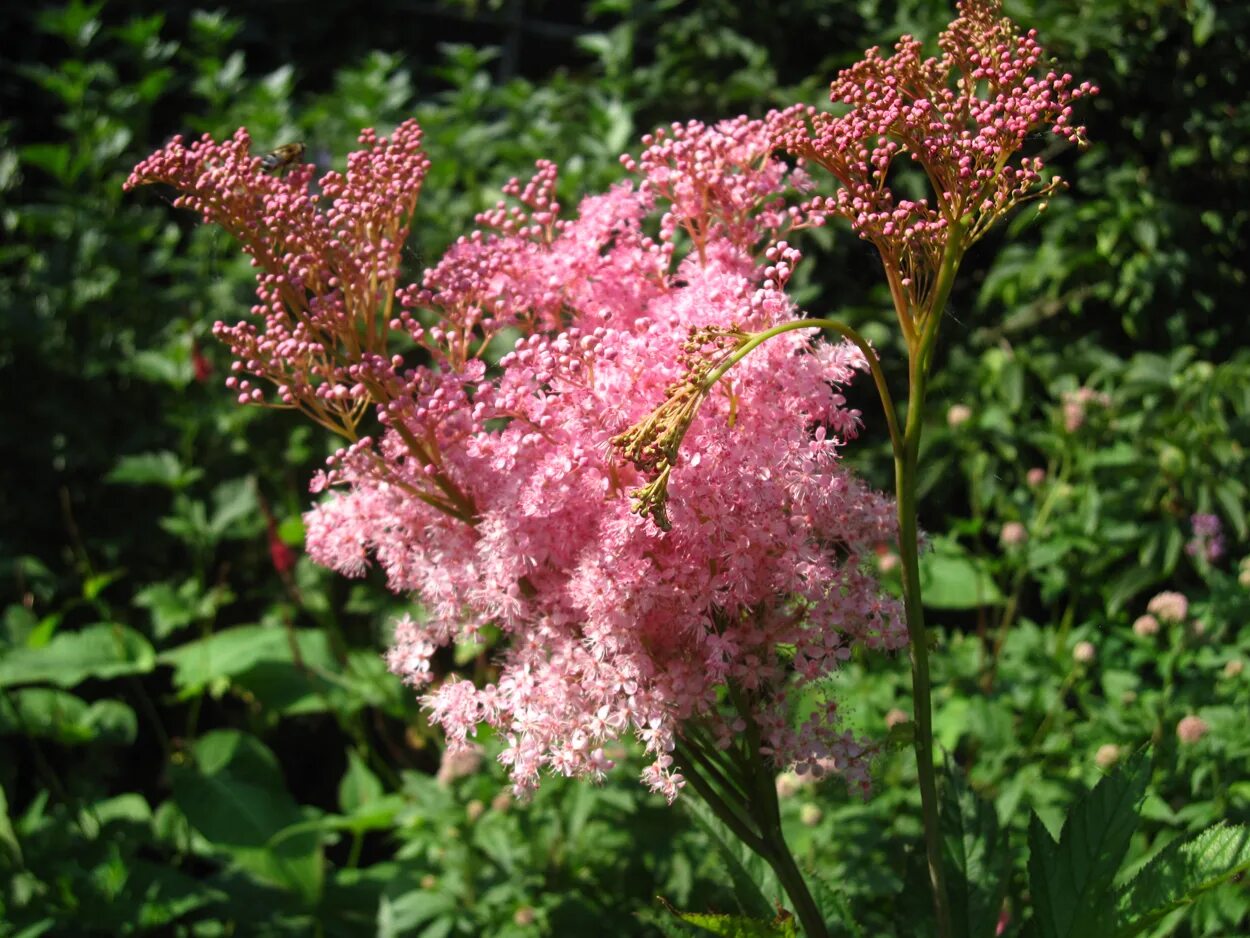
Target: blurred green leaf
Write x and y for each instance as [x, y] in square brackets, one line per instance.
[233, 794]
[102, 651]
[163, 469]
[951, 578]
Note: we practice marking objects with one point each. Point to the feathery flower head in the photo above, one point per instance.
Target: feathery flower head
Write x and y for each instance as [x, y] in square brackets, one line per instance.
[496, 496]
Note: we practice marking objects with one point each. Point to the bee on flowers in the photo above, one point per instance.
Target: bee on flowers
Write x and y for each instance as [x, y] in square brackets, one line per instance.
[280, 160]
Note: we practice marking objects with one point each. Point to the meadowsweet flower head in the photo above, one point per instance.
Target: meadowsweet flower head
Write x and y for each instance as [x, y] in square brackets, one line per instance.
[496, 494]
[1108, 754]
[957, 415]
[1076, 404]
[1191, 729]
[1035, 477]
[1013, 534]
[1168, 607]
[326, 263]
[1084, 652]
[1145, 626]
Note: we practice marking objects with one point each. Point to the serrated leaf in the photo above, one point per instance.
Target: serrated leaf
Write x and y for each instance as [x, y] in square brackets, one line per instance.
[1071, 880]
[233, 652]
[1180, 873]
[976, 857]
[236, 512]
[104, 650]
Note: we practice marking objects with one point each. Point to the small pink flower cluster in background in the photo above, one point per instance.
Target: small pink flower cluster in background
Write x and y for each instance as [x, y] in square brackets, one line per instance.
[493, 492]
[1168, 606]
[1076, 403]
[1207, 542]
[961, 117]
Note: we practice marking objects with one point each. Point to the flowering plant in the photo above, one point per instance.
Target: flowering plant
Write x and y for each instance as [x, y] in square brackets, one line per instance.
[661, 372]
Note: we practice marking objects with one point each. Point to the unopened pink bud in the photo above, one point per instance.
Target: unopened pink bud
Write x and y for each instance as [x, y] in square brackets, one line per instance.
[1191, 729]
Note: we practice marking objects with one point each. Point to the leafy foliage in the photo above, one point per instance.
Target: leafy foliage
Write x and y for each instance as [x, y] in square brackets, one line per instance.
[193, 741]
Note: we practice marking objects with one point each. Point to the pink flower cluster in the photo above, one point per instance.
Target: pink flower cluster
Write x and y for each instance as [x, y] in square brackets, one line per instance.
[962, 117]
[493, 490]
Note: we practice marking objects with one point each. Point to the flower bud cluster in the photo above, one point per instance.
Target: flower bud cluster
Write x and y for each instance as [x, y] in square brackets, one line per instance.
[962, 117]
[326, 264]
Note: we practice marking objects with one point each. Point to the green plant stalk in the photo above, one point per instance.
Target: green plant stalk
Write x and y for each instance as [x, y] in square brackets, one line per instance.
[920, 346]
[905, 472]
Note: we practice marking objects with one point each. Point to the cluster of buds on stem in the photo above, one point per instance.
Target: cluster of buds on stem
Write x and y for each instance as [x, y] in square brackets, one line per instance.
[962, 117]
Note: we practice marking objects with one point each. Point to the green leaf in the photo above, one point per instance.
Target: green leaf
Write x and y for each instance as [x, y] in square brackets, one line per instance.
[359, 787]
[1180, 873]
[236, 513]
[163, 469]
[951, 578]
[234, 796]
[1071, 881]
[976, 857]
[400, 915]
[175, 607]
[104, 650]
[232, 652]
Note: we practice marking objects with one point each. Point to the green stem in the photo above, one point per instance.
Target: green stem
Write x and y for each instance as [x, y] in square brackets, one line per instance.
[906, 469]
[848, 333]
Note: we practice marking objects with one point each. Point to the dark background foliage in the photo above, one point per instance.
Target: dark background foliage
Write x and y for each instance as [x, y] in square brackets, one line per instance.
[197, 735]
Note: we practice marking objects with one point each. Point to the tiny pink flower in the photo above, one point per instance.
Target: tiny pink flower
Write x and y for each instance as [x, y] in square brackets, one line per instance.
[1191, 729]
[1144, 626]
[1207, 542]
[1076, 404]
[524, 916]
[958, 415]
[1233, 668]
[1107, 755]
[1084, 652]
[1013, 534]
[1169, 607]
[1035, 477]
[896, 717]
